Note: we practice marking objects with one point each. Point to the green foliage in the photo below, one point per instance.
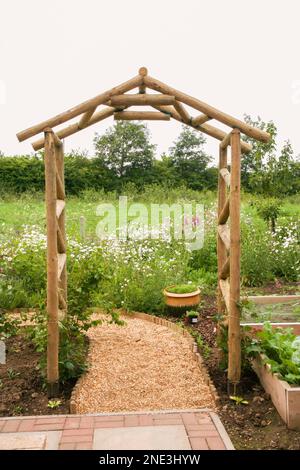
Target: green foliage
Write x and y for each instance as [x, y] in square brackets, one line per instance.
[21, 173]
[265, 170]
[257, 262]
[239, 400]
[53, 404]
[203, 347]
[269, 209]
[192, 314]
[280, 349]
[182, 289]
[189, 158]
[126, 151]
[9, 326]
[12, 374]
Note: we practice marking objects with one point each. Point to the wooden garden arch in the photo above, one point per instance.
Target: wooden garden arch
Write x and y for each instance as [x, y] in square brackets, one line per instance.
[168, 103]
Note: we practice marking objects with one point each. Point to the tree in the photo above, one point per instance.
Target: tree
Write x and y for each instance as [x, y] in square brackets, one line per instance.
[264, 170]
[189, 158]
[126, 151]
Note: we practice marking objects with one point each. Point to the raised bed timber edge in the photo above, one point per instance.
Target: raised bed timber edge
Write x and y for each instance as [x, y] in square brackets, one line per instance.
[286, 398]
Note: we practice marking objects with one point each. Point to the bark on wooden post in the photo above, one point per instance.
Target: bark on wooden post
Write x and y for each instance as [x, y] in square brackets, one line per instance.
[221, 249]
[52, 266]
[234, 335]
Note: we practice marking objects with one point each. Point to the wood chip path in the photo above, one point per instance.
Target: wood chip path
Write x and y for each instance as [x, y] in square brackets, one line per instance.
[140, 366]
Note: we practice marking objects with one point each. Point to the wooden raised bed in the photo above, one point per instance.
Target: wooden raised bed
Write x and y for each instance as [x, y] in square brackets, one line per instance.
[286, 398]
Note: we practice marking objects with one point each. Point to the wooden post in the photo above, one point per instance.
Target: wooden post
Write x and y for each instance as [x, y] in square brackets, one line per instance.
[62, 227]
[142, 72]
[234, 335]
[52, 266]
[221, 249]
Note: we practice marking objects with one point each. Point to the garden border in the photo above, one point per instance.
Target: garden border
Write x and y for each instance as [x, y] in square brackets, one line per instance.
[172, 326]
[285, 398]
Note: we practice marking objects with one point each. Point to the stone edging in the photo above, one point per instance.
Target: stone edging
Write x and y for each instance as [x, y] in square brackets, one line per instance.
[178, 329]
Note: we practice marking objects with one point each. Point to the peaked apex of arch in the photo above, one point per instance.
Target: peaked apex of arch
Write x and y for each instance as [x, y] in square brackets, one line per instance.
[143, 81]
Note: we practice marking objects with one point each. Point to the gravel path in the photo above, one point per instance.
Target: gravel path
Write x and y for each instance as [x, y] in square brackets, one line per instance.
[140, 366]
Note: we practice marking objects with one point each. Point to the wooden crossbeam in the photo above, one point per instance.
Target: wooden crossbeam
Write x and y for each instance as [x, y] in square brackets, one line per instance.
[61, 246]
[61, 314]
[201, 119]
[140, 116]
[205, 128]
[61, 301]
[225, 270]
[226, 141]
[59, 187]
[224, 234]
[205, 108]
[141, 100]
[272, 299]
[60, 205]
[182, 112]
[61, 260]
[81, 108]
[73, 128]
[223, 217]
[226, 176]
[225, 289]
[85, 118]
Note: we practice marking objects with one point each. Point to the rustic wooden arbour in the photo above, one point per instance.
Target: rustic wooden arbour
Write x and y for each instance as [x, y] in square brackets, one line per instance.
[168, 103]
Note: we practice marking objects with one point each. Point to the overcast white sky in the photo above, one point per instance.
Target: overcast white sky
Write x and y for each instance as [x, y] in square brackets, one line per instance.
[240, 56]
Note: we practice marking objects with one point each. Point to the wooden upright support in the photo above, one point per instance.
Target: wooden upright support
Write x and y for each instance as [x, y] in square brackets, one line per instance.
[52, 265]
[56, 253]
[234, 335]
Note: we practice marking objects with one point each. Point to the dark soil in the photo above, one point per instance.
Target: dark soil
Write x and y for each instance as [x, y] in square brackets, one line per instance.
[21, 386]
[253, 426]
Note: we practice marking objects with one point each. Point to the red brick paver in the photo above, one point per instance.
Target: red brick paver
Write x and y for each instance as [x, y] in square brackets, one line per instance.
[203, 428]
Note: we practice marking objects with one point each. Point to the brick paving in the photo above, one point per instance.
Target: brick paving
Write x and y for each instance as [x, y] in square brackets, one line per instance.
[202, 427]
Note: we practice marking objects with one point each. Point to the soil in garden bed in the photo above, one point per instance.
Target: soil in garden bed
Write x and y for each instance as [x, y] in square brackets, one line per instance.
[21, 387]
[253, 426]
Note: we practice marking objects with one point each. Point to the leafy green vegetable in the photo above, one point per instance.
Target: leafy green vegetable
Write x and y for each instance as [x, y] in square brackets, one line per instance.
[281, 349]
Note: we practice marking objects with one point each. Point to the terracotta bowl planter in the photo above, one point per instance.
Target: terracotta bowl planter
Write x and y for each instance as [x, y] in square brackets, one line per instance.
[182, 300]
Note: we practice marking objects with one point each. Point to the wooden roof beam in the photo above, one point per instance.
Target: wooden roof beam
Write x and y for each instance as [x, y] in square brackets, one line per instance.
[73, 128]
[208, 110]
[205, 128]
[201, 119]
[80, 109]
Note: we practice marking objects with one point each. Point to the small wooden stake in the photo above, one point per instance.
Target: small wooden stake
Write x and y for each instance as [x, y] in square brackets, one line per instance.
[234, 334]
